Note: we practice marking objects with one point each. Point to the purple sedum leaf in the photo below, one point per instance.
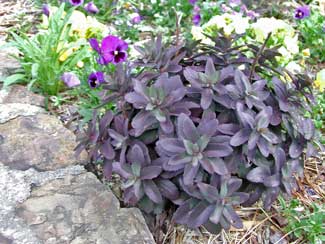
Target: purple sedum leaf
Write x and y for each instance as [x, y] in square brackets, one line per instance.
[295, 149]
[240, 137]
[199, 214]
[107, 150]
[230, 214]
[216, 214]
[152, 191]
[168, 189]
[150, 172]
[258, 174]
[190, 172]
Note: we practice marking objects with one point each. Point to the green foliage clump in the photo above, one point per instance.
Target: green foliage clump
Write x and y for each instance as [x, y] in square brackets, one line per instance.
[41, 55]
[304, 222]
[312, 33]
[318, 112]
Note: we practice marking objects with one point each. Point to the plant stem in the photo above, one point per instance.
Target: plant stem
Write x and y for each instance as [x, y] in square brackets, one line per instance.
[259, 53]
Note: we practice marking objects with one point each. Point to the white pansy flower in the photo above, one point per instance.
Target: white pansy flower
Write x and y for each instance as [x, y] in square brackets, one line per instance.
[229, 23]
[264, 26]
[293, 67]
[240, 23]
[218, 21]
[197, 33]
[291, 44]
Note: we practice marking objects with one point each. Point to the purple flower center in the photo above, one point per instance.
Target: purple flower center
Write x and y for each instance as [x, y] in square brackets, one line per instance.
[302, 12]
[93, 82]
[95, 79]
[118, 55]
[76, 2]
[299, 14]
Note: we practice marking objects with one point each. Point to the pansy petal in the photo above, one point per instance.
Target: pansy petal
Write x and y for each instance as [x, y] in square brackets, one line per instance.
[94, 44]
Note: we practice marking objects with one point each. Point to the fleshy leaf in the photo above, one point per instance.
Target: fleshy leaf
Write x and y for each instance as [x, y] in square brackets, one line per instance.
[150, 172]
[199, 214]
[152, 191]
[258, 174]
[240, 137]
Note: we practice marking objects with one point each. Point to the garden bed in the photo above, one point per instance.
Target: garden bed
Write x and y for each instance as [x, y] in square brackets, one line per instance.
[72, 82]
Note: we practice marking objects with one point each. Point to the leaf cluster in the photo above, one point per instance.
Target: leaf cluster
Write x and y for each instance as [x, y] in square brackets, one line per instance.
[304, 223]
[39, 55]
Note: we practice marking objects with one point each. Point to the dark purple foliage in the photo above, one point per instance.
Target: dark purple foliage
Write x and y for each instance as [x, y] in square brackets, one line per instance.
[158, 103]
[193, 131]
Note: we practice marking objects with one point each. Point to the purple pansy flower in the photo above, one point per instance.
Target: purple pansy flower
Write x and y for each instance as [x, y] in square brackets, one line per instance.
[95, 79]
[70, 79]
[46, 10]
[192, 1]
[135, 18]
[76, 2]
[196, 15]
[302, 12]
[249, 13]
[91, 8]
[252, 14]
[112, 50]
[196, 19]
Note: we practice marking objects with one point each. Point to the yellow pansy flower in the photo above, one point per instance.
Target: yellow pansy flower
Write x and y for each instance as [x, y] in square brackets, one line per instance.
[306, 52]
[127, 5]
[64, 56]
[320, 80]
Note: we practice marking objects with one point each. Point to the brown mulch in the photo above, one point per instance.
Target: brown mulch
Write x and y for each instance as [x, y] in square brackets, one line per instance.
[17, 14]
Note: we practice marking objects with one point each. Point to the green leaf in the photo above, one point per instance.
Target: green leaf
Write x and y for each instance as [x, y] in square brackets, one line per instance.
[223, 190]
[189, 146]
[203, 142]
[35, 67]
[13, 79]
[136, 169]
[31, 83]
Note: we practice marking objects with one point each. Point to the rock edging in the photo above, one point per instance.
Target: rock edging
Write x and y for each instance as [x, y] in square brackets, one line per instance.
[46, 195]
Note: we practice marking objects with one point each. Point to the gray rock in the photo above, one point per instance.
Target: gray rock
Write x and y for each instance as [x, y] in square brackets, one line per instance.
[14, 110]
[5, 240]
[15, 188]
[20, 94]
[65, 206]
[40, 142]
[8, 64]
[46, 196]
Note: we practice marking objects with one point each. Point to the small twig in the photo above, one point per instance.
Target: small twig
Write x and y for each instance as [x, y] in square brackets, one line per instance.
[290, 232]
[177, 32]
[258, 56]
[270, 219]
[252, 229]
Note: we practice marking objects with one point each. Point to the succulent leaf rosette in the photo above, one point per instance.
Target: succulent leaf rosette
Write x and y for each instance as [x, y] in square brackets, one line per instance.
[199, 132]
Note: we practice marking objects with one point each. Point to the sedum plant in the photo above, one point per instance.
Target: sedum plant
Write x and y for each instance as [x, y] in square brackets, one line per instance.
[204, 135]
